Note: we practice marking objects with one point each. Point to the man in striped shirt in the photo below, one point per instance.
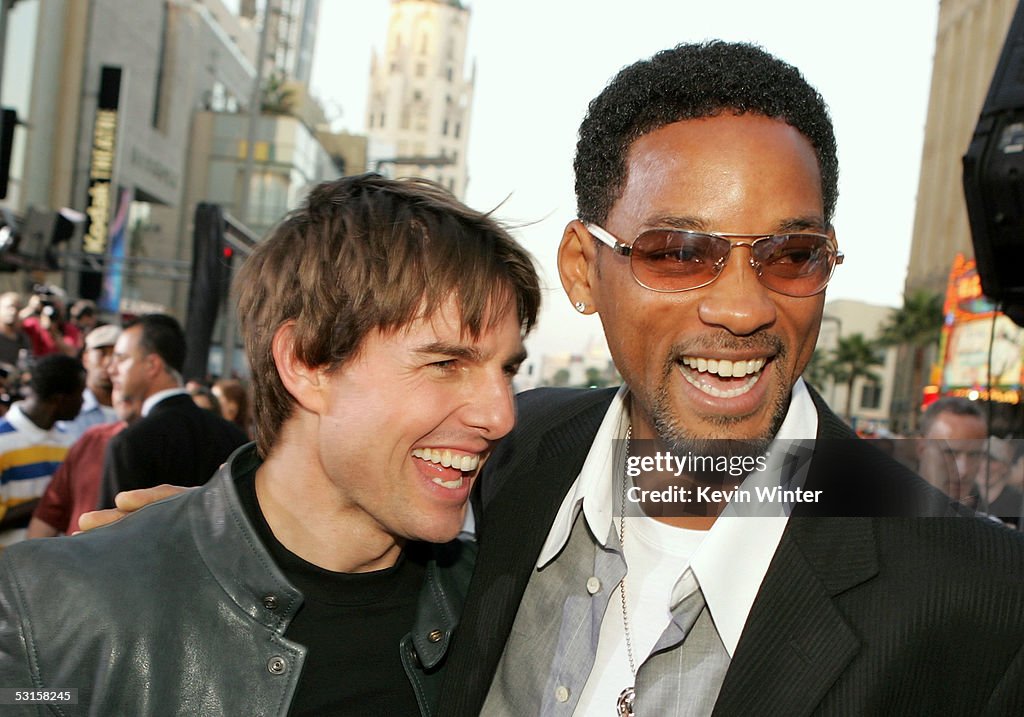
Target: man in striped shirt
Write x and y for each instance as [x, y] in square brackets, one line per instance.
[31, 446]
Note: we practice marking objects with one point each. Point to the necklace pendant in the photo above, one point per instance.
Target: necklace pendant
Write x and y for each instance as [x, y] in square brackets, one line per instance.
[624, 705]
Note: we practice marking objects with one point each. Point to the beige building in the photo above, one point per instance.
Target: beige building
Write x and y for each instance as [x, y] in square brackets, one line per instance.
[173, 57]
[591, 366]
[970, 37]
[418, 109]
[291, 34]
[871, 400]
[176, 136]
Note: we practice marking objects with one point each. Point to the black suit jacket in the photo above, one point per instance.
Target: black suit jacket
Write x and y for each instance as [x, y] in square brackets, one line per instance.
[856, 615]
[177, 442]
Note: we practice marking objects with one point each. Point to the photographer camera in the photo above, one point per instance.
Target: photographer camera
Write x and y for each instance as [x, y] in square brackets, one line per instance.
[45, 324]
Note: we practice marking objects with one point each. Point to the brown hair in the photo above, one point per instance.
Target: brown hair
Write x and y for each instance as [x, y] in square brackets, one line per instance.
[366, 253]
[233, 390]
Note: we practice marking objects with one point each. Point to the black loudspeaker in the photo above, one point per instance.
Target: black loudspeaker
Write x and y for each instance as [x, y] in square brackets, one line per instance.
[8, 121]
[211, 276]
[994, 179]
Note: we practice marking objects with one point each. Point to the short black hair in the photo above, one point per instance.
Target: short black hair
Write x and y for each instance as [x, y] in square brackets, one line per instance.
[957, 405]
[161, 335]
[693, 81]
[56, 375]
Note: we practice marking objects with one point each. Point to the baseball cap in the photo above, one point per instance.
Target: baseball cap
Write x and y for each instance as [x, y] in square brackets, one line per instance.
[102, 336]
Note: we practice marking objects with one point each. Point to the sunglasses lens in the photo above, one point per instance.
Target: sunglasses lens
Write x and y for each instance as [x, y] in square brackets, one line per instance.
[795, 264]
[677, 260]
[667, 260]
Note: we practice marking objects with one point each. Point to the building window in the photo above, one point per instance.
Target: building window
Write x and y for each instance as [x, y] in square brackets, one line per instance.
[444, 128]
[449, 74]
[458, 129]
[870, 395]
[421, 69]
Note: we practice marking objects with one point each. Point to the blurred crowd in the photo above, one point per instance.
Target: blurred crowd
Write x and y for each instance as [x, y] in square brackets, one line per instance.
[60, 409]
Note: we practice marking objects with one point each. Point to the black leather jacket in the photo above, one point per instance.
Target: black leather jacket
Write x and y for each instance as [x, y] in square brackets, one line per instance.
[179, 610]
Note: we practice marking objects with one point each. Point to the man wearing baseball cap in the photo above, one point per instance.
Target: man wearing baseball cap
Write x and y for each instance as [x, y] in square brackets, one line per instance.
[97, 403]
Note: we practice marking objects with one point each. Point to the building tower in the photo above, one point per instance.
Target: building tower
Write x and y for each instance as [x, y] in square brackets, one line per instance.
[292, 33]
[968, 42]
[967, 46]
[418, 109]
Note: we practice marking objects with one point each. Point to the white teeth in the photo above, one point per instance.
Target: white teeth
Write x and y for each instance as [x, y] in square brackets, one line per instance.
[446, 458]
[451, 484]
[725, 368]
[717, 392]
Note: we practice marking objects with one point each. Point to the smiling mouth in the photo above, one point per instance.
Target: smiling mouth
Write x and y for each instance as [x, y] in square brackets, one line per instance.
[453, 461]
[721, 378]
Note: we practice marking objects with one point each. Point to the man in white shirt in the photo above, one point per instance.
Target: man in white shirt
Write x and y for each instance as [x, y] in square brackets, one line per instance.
[175, 440]
[97, 402]
[706, 181]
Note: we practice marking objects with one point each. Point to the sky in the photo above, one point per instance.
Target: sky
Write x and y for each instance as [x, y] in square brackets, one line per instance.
[539, 62]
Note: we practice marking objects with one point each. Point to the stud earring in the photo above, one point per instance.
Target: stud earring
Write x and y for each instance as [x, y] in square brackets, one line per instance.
[580, 306]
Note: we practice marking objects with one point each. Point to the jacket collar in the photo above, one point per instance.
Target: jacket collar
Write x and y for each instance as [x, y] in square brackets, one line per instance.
[160, 396]
[232, 549]
[236, 557]
[795, 635]
[441, 597]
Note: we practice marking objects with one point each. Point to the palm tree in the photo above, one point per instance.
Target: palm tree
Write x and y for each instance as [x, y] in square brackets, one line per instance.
[818, 370]
[917, 325]
[853, 358]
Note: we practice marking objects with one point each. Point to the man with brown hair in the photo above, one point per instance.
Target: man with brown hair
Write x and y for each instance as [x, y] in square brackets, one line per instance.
[383, 323]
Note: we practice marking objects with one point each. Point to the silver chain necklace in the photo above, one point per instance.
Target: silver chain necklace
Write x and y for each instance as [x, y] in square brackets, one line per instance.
[624, 704]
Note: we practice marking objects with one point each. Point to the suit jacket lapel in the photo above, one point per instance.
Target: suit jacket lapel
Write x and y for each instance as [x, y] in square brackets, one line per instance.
[796, 643]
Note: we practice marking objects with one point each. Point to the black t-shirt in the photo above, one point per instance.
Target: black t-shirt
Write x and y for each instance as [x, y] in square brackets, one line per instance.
[351, 625]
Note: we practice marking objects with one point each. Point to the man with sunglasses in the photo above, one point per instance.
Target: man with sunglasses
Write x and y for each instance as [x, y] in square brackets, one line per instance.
[706, 181]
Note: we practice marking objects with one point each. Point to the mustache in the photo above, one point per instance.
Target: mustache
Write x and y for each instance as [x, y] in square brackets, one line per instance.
[727, 343]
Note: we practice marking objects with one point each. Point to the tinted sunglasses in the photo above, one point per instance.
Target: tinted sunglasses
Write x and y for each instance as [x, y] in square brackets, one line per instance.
[669, 260]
